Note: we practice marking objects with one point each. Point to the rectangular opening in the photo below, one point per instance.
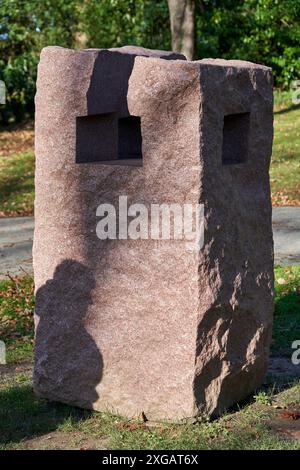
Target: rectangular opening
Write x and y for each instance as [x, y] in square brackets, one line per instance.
[106, 139]
[96, 138]
[129, 138]
[235, 138]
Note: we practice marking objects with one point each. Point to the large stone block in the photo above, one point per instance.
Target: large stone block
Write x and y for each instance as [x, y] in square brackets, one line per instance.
[149, 325]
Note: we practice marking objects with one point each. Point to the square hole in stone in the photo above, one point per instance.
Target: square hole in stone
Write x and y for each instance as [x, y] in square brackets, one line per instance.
[106, 139]
[96, 138]
[235, 138]
[129, 138]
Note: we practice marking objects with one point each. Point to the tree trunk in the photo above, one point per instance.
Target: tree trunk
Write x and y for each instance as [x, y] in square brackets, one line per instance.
[182, 19]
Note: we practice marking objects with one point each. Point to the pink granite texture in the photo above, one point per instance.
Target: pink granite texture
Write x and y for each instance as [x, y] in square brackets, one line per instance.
[146, 325]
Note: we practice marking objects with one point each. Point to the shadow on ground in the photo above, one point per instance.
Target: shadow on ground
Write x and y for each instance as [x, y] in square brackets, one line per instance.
[24, 416]
[286, 328]
[293, 107]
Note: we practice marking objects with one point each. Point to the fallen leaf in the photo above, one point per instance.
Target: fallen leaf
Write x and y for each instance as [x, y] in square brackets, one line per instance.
[290, 414]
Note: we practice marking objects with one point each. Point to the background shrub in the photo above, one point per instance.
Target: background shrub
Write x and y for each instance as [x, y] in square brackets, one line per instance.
[263, 31]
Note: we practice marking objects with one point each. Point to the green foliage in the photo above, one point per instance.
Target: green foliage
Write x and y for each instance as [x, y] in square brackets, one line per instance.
[263, 398]
[26, 26]
[19, 75]
[262, 31]
[113, 23]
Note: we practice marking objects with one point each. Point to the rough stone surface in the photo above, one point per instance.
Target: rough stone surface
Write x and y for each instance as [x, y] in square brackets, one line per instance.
[145, 325]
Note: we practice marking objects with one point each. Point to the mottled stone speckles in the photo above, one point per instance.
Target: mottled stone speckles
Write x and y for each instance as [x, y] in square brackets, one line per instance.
[145, 325]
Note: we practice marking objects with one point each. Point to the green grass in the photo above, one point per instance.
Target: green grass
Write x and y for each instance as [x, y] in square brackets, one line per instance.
[287, 309]
[285, 164]
[23, 416]
[17, 170]
[16, 317]
[17, 184]
[245, 429]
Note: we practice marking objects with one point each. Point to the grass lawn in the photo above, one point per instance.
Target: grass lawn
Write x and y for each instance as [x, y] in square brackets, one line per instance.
[17, 184]
[286, 327]
[17, 170]
[29, 422]
[16, 317]
[285, 166]
[17, 162]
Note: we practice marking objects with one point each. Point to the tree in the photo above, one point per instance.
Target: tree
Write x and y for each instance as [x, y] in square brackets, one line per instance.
[261, 31]
[27, 26]
[182, 19]
[115, 23]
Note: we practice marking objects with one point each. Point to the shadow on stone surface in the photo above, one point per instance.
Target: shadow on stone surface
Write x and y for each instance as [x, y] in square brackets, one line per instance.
[68, 364]
[231, 361]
